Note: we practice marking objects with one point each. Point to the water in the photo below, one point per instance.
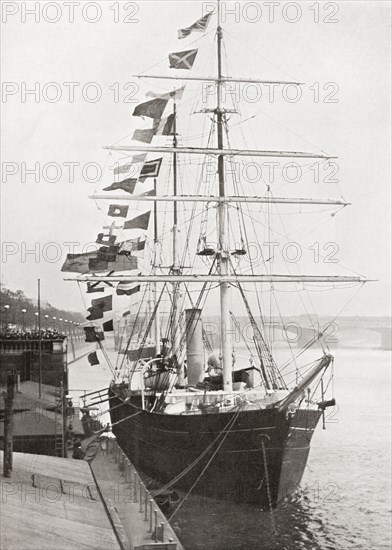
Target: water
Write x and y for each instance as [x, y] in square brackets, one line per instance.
[345, 500]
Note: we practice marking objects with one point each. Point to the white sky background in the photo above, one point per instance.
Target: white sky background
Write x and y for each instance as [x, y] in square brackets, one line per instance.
[354, 53]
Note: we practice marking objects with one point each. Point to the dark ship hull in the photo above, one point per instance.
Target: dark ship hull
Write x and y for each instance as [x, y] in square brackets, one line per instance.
[260, 460]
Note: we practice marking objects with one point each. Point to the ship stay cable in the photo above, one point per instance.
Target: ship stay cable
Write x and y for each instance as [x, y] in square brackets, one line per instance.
[173, 481]
[268, 60]
[226, 430]
[272, 290]
[293, 358]
[306, 291]
[302, 350]
[126, 418]
[273, 379]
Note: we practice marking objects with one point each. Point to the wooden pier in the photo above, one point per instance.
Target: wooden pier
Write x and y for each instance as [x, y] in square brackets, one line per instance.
[131, 506]
[50, 502]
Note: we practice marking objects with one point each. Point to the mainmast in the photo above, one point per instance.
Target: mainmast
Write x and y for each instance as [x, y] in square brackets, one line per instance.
[223, 263]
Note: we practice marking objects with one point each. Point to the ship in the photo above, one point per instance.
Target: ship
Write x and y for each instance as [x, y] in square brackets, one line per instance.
[188, 411]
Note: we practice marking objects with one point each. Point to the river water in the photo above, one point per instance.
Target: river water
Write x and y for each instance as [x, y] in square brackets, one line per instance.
[345, 498]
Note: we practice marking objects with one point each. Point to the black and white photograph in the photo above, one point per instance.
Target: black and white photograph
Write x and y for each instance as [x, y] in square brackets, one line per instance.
[195, 300]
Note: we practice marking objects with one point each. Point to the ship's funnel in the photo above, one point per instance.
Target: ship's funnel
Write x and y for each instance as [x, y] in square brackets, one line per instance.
[194, 346]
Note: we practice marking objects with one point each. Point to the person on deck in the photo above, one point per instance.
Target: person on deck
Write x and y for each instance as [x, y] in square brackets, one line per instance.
[87, 423]
[78, 454]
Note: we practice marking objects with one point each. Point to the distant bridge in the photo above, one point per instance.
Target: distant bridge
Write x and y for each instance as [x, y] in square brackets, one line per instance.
[386, 336]
[336, 333]
[348, 332]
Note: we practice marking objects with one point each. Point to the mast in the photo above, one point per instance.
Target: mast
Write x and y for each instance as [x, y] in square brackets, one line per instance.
[222, 258]
[175, 333]
[157, 328]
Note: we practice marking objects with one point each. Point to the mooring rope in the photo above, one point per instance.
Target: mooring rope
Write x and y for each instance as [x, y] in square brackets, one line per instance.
[126, 418]
[268, 488]
[228, 426]
[233, 420]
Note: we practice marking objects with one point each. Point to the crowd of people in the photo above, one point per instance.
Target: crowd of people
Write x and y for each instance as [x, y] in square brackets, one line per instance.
[19, 334]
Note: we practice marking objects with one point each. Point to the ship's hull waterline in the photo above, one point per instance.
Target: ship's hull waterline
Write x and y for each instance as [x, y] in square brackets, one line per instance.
[260, 460]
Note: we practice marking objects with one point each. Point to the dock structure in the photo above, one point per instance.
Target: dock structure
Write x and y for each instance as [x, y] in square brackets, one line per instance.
[144, 526]
[51, 502]
[42, 361]
[41, 412]
[38, 426]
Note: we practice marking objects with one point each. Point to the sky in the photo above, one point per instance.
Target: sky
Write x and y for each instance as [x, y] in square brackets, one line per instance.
[341, 52]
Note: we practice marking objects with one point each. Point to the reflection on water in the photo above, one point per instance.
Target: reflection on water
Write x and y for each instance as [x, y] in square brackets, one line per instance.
[219, 526]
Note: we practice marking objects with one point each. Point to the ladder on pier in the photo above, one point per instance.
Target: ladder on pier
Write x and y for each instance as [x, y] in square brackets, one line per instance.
[59, 436]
